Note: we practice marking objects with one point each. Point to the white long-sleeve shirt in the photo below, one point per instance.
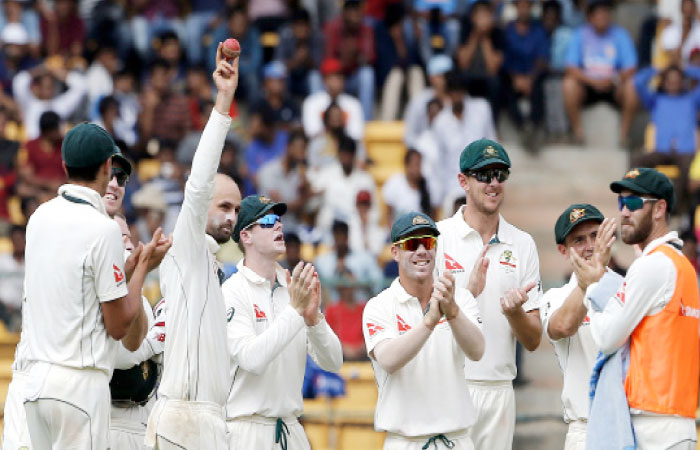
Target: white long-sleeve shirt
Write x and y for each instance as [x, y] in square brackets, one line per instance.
[268, 342]
[196, 366]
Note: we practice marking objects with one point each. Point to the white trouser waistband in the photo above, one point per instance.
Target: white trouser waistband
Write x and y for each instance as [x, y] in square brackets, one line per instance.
[490, 383]
[255, 418]
[578, 425]
[460, 434]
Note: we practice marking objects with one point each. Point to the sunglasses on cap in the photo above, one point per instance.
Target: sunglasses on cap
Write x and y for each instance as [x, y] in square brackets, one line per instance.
[633, 202]
[412, 243]
[122, 176]
[266, 221]
[485, 176]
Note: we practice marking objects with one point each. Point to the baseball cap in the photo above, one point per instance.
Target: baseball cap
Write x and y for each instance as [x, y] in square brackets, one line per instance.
[644, 180]
[412, 221]
[275, 70]
[330, 66]
[88, 144]
[572, 216]
[14, 33]
[254, 207]
[439, 65]
[481, 153]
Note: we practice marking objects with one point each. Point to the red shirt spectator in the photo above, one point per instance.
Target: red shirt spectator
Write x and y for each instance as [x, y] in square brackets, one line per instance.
[44, 157]
[345, 317]
[349, 39]
[7, 182]
[62, 30]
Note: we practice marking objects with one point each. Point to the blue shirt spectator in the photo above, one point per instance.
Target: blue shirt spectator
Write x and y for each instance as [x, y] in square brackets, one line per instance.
[523, 50]
[446, 7]
[674, 111]
[601, 56]
[269, 143]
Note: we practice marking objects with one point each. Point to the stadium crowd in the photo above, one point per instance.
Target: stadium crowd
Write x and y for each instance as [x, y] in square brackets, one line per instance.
[312, 74]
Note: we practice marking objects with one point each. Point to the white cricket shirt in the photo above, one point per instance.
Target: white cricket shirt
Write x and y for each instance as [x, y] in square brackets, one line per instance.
[428, 395]
[196, 365]
[269, 341]
[576, 354]
[513, 263]
[74, 261]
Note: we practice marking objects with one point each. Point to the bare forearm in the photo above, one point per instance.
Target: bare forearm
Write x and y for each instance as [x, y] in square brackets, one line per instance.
[393, 354]
[223, 102]
[136, 321]
[492, 57]
[466, 53]
[468, 336]
[136, 332]
[526, 327]
[566, 320]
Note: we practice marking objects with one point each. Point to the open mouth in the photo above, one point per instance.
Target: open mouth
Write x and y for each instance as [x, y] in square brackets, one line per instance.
[421, 263]
[110, 196]
[279, 238]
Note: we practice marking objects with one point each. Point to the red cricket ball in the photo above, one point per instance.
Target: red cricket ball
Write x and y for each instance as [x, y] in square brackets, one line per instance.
[232, 48]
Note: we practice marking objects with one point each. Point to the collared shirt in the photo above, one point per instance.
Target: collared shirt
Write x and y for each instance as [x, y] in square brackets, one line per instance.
[576, 354]
[268, 342]
[428, 395]
[74, 261]
[196, 358]
[513, 263]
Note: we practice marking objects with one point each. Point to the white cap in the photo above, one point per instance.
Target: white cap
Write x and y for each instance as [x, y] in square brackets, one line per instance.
[14, 33]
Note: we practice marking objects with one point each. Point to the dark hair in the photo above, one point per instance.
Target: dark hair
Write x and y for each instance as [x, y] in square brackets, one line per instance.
[301, 15]
[664, 74]
[292, 238]
[454, 81]
[159, 63]
[327, 111]
[425, 205]
[233, 10]
[88, 173]
[297, 134]
[168, 35]
[340, 227]
[49, 121]
[596, 4]
[689, 236]
[552, 4]
[18, 229]
[346, 144]
[268, 116]
[106, 103]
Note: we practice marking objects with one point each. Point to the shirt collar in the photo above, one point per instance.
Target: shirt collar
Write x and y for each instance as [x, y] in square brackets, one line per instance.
[399, 292]
[668, 238]
[212, 244]
[84, 193]
[503, 235]
[254, 278]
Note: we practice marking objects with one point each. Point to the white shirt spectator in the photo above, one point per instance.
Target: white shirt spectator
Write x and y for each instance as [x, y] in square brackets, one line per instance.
[316, 104]
[402, 198]
[673, 34]
[370, 238]
[429, 148]
[99, 81]
[11, 281]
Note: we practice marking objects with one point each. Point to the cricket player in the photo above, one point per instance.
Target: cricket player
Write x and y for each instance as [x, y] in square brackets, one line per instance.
[418, 333]
[658, 310]
[507, 291]
[583, 229]
[189, 412]
[94, 300]
[273, 323]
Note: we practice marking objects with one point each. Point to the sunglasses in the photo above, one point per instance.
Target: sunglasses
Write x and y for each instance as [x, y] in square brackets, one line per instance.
[412, 243]
[633, 202]
[266, 221]
[122, 176]
[485, 176]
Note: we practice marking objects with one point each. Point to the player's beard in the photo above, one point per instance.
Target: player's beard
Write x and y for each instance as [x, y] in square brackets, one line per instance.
[639, 233]
[221, 232]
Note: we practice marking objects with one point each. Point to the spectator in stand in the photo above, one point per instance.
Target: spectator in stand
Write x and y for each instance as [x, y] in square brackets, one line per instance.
[41, 174]
[268, 143]
[283, 180]
[164, 114]
[345, 318]
[315, 104]
[275, 96]
[338, 185]
[36, 92]
[408, 191]
[21, 13]
[171, 182]
[601, 60]
[301, 49]
[151, 208]
[366, 234]
[526, 54]
[428, 146]
[292, 254]
[100, 75]
[679, 39]
[12, 281]
[436, 18]
[362, 265]
[201, 18]
[8, 173]
[465, 120]
[690, 248]
[480, 56]
[62, 30]
[149, 18]
[268, 15]
[129, 104]
[251, 58]
[323, 148]
[416, 116]
[14, 58]
[403, 60]
[199, 92]
[674, 110]
[557, 33]
[232, 163]
[351, 41]
[110, 120]
[167, 47]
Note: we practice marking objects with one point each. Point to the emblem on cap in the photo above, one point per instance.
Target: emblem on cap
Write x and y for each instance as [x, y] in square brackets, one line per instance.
[264, 199]
[576, 214]
[490, 151]
[634, 173]
[420, 220]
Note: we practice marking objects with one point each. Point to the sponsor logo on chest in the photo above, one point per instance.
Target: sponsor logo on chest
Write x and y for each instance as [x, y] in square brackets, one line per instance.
[402, 325]
[452, 264]
[507, 261]
[259, 314]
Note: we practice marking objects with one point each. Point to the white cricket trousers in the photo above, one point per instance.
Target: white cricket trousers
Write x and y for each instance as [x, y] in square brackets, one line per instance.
[15, 434]
[264, 433]
[664, 432]
[126, 435]
[180, 424]
[71, 410]
[460, 439]
[576, 436]
[494, 402]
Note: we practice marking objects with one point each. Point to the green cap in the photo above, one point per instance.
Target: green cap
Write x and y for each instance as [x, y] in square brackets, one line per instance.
[648, 181]
[124, 163]
[572, 216]
[482, 153]
[88, 145]
[254, 207]
[412, 221]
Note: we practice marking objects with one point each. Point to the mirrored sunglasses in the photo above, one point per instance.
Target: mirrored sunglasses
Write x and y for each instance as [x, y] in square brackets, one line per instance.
[632, 202]
[412, 243]
[266, 221]
[485, 176]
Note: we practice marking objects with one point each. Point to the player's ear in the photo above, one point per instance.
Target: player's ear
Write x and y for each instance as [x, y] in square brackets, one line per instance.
[462, 178]
[395, 253]
[562, 249]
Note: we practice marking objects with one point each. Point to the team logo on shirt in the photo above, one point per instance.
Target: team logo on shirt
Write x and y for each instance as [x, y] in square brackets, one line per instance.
[451, 264]
[634, 173]
[586, 321]
[259, 314]
[373, 328]
[621, 293]
[403, 326]
[576, 214]
[507, 261]
[118, 275]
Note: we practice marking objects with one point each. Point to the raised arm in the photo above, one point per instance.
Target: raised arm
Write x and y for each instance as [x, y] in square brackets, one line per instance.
[641, 85]
[323, 345]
